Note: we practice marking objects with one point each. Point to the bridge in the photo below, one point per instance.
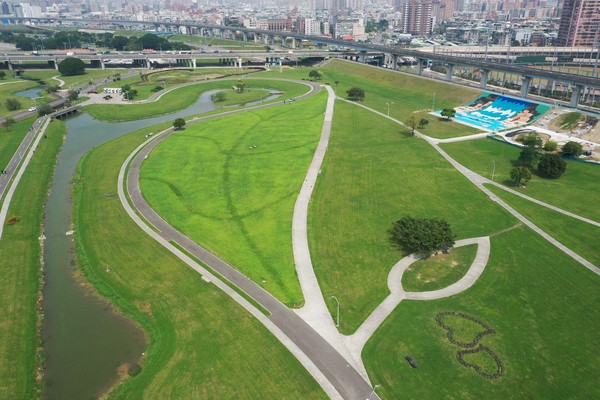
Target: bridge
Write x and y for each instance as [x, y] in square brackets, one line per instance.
[579, 83]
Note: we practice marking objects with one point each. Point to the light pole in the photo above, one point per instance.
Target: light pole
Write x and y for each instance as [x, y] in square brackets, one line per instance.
[337, 320]
[433, 103]
[373, 391]
[493, 170]
[388, 108]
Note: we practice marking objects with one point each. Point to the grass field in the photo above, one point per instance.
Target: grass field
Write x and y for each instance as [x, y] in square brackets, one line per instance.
[202, 344]
[437, 272]
[72, 81]
[183, 97]
[575, 191]
[169, 78]
[233, 97]
[405, 94]
[576, 235]
[11, 139]
[20, 274]
[543, 308]
[373, 174]
[570, 120]
[231, 185]
[8, 92]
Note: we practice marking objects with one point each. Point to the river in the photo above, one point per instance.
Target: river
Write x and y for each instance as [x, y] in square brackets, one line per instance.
[84, 340]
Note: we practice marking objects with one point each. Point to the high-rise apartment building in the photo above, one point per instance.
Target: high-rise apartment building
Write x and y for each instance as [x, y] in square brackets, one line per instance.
[417, 18]
[579, 23]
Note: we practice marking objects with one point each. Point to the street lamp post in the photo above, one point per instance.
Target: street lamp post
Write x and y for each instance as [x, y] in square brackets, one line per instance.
[388, 108]
[493, 170]
[433, 103]
[373, 391]
[337, 320]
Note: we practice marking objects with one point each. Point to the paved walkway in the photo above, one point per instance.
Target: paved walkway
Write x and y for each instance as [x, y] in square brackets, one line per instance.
[61, 83]
[17, 166]
[479, 182]
[357, 341]
[331, 370]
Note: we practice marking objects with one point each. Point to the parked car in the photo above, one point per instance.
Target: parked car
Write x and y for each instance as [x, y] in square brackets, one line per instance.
[32, 109]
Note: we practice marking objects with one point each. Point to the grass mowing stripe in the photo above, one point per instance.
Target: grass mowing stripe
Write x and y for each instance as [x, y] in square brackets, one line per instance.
[239, 291]
[21, 275]
[202, 343]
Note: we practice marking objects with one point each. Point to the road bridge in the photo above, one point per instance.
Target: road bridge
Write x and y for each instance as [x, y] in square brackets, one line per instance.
[579, 83]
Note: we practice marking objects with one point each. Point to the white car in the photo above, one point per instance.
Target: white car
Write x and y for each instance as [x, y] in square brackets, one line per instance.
[32, 109]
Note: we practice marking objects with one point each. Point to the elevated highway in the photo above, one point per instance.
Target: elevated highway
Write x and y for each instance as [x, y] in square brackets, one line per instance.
[578, 83]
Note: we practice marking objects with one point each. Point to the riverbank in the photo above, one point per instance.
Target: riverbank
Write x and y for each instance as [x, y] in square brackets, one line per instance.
[21, 274]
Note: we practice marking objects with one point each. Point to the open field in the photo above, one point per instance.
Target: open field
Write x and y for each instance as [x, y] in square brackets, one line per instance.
[405, 94]
[575, 191]
[183, 97]
[72, 81]
[237, 199]
[11, 139]
[20, 274]
[577, 235]
[372, 175]
[437, 272]
[202, 344]
[169, 78]
[542, 306]
[8, 92]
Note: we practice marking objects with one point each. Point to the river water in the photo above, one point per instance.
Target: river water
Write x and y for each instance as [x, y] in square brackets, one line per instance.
[84, 340]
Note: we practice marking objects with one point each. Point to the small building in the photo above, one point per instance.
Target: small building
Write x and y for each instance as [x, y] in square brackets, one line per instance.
[113, 91]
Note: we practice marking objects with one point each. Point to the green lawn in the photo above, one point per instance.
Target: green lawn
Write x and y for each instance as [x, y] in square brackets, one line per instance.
[233, 97]
[570, 120]
[439, 271]
[231, 185]
[575, 191]
[20, 275]
[11, 139]
[405, 94]
[202, 344]
[174, 77]
[183, 97]
[8, 92]
[75, 80]
[576, 235]
[542, 306]
[372, 175]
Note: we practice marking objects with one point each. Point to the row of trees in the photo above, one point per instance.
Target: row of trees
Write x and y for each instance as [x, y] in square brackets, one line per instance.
[148, 41]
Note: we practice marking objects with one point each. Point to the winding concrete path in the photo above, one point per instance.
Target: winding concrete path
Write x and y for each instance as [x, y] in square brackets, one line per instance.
[479, 182]
[357, 341]
[331, 370]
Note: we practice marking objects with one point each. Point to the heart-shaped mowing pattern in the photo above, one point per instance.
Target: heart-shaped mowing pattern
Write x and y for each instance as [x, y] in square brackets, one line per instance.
[486, 329]
[481, 348]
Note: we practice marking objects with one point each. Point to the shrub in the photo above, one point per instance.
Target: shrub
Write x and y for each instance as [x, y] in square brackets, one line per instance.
[572, 149]
[550, 146]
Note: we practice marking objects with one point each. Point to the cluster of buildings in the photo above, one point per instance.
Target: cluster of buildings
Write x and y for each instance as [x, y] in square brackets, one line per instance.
[501, 22]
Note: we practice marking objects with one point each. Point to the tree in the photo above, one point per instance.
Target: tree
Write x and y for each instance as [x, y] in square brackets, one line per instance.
[8, 122]
[520, 174]
[72, 95]
[219, 97]
[356, 93]
[179, 123]
[448, 113]
[421, 235]
[240, 86]
[2, 74]
[551, 166]
[45, 110]
[572, 149]
[532, 140]
[423, 123]
[528, 156]
[71, 66]
[411, 122]
[315, 75]
[550, 146]
[119, 42]
[12, 104]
